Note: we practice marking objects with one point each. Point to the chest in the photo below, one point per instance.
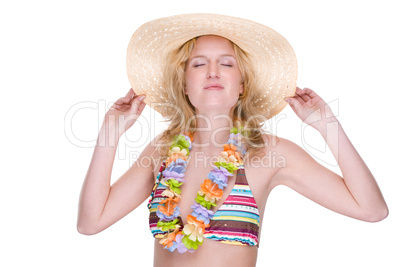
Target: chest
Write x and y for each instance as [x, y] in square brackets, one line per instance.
[197, 171]
[195, 175]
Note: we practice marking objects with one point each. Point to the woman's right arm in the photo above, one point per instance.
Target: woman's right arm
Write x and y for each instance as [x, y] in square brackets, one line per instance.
[101, 205]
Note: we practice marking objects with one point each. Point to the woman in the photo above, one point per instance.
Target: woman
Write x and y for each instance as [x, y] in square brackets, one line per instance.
[207, 205]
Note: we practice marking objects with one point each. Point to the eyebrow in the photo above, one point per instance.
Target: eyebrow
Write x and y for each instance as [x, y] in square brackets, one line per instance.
[223, 55]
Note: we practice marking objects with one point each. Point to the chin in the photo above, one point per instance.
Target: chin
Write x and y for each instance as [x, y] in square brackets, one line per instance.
[219, 103]
[214, 106]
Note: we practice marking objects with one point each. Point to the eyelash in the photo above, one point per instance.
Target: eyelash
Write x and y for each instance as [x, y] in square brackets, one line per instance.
[226, 65]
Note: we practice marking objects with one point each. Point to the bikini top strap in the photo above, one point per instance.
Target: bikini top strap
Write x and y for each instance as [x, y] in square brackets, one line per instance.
[241, 176]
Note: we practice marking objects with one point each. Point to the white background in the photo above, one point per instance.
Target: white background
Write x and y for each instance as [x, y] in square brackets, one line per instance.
[63, 61]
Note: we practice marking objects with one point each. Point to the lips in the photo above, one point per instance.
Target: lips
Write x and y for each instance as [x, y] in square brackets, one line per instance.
[213, 86]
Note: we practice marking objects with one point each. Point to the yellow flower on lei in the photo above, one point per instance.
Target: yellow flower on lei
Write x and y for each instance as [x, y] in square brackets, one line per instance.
[194, 229]
[169, 193]
[178, 151]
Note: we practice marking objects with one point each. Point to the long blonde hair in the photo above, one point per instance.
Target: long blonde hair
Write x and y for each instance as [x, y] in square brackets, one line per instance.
[180, 112]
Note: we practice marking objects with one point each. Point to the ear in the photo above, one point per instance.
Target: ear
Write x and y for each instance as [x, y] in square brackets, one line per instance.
[241, 89]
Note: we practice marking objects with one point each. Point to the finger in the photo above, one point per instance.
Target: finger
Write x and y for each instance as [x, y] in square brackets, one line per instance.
[294, 103]
[122, 108]
[302, 94]
[299, 91]
[314, 97]
[299, 99]
[127, 98]
[135, 103]
[121, 102]
[310, 92]
[130, 93]
[141, 108]
[313, 102]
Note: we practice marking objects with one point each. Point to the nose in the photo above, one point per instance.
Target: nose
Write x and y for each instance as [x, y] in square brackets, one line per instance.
[213, 71]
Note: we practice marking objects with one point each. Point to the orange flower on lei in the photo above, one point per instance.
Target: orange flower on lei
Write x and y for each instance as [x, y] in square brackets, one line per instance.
[211, 191]
[230, 154]
[168, 241]
[170, 205]
[230, 149]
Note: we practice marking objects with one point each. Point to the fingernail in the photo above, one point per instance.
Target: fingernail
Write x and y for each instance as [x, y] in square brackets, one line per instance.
[141, 97]
[287, 100]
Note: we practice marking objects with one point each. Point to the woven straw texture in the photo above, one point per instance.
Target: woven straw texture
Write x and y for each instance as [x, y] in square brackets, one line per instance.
[274, 59]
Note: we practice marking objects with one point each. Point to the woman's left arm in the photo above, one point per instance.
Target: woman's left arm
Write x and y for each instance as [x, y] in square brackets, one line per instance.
[358, 193]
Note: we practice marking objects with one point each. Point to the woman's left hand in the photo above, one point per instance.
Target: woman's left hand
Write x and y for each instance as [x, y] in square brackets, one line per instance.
[311, 108]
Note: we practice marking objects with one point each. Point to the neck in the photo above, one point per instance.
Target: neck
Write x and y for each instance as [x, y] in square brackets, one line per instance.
[212, 131]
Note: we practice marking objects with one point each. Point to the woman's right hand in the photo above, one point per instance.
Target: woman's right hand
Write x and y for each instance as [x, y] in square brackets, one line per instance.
[124, 112]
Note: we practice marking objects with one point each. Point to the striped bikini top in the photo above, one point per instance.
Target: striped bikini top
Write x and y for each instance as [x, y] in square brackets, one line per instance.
[236, 222]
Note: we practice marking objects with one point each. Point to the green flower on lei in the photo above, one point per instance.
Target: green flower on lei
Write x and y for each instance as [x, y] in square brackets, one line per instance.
[227, 165]
[173, 185]
[166, 226]
[201, 200]
[236, 130]
[189, 243]
[181, 142]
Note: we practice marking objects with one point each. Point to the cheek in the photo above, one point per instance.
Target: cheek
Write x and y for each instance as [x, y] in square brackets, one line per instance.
[238, 84]
[191, 80]
[187, 84]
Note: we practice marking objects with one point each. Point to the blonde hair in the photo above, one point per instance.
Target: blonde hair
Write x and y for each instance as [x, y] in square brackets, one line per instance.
[180, 112]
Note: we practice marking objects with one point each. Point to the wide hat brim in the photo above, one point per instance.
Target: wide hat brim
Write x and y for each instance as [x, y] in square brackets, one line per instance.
[274, 60]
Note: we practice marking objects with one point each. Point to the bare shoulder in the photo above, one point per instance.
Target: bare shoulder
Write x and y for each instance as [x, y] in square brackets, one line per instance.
[281, 156]
[151, 156]
[262, 166]
[152, 148]
[283, 147]
[265, 162]
[278, 144]
[295, 161]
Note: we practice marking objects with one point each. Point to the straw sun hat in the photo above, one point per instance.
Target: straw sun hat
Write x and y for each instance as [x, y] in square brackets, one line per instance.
[273, 57]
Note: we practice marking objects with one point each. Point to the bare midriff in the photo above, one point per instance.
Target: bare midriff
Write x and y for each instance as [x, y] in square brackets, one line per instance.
[211, 254]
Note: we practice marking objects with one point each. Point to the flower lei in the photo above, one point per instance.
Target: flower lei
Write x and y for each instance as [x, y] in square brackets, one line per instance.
[191, 235]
